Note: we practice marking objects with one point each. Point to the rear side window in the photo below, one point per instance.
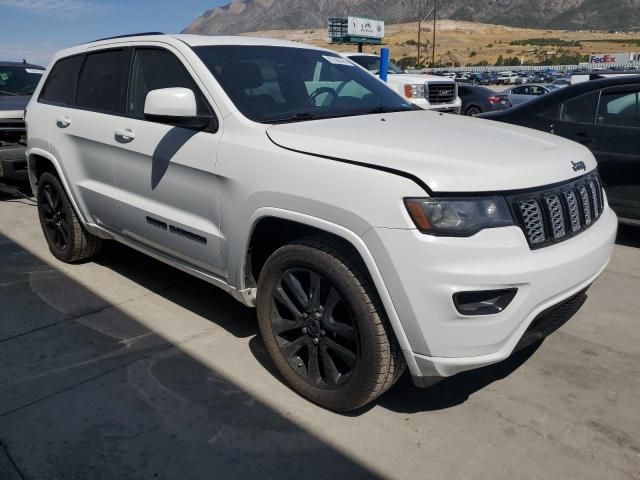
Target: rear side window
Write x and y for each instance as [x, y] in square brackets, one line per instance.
[60, 86]
[581, 109]
[619, 109]
[101, 81]
[154, 68]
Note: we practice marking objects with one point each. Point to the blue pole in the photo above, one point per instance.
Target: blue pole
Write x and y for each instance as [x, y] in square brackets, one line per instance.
[384, 64]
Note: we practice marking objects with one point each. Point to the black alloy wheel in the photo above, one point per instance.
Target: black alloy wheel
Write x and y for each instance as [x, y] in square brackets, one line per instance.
[314, 329]
[324, 327]
[54, 217]
[67, 238]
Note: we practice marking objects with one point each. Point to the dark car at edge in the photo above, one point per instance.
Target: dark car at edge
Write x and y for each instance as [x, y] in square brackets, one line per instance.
[604, 116]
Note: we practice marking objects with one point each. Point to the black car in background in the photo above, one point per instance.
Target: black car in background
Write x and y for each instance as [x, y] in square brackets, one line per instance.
[476, 100]
[17, 83]
[603, 115]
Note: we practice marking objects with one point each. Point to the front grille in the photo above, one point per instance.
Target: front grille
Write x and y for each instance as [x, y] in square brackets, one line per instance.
[12, 124]
[554, 214]
[441, 93]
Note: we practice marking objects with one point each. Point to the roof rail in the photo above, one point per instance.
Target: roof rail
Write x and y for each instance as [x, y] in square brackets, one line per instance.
[142, 34]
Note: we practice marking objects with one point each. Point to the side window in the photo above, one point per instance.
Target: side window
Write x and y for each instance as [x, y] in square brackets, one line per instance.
[520, 91]
[153, 69]
[60, 86]
[619, 109]
[101, 81]
[581, 109]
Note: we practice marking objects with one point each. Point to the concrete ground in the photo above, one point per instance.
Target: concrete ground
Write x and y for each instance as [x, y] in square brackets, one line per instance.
[127, 369]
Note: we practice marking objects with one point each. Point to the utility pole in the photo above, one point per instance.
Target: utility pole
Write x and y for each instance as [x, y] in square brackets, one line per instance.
[435, 16]
[419, 29]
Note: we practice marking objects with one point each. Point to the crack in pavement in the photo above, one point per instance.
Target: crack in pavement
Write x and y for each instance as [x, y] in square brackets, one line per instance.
[155, 351]
[12, 462]
[86, 314]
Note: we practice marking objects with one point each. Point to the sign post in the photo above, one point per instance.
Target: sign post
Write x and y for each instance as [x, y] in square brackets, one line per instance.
[384, 64]
[355, 31]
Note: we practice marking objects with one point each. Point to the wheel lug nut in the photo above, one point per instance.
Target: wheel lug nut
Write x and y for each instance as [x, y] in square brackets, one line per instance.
[304, 329]
[315, 341]
[317, 315]
[304, 315]
[322, 332]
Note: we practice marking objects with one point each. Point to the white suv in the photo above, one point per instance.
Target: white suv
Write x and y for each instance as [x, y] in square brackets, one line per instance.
[429, 92]
[369, 235]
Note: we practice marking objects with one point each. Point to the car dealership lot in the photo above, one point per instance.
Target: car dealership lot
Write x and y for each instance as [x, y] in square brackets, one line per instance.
[126, 368]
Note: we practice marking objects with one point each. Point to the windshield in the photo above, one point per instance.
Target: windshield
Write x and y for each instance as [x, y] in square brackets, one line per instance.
[19, 80]
[280, 84]
[372, 63]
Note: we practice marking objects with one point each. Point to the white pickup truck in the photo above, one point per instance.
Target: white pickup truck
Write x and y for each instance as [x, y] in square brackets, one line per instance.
[427, 91]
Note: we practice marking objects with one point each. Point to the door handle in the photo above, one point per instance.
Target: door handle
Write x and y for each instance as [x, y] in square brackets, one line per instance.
[63, 121]
[124, 135]
[584, 139]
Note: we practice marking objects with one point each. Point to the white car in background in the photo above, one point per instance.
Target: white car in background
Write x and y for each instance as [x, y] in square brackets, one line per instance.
[507, 78]
[429, 92]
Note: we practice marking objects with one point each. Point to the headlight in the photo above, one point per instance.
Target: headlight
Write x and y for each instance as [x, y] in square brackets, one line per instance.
[458, 217]
[414, 91]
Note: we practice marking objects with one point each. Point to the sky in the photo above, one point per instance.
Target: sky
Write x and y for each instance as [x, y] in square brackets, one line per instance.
[36, 29]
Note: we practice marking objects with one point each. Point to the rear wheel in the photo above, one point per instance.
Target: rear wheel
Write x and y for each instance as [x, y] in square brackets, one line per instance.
[472, 111]
[323, 327]
[67, 238]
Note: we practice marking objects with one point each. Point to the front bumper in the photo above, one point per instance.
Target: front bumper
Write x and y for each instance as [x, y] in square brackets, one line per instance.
[422, 273]
[454, 107]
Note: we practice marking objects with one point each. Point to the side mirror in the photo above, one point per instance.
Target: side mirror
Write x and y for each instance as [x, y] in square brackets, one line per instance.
[174, 106]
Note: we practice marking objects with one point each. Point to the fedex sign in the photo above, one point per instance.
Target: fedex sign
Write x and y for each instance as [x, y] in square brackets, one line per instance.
[611, 58]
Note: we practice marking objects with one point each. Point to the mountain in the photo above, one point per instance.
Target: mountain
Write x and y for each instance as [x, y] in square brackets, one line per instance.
[241, 16]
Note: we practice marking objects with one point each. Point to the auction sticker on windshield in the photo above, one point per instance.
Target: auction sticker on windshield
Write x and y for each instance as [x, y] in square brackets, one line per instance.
[338, 60]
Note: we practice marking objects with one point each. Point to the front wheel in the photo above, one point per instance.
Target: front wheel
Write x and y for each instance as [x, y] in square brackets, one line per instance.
[324, 328]
[68, 240]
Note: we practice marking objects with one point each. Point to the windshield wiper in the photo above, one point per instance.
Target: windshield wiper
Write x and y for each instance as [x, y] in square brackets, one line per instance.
[4, 92]
[298, 117]
[382, 109]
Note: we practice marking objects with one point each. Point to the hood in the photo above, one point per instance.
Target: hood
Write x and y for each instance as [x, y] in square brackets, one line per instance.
[10, 105]
[449, 153]
[420, 78]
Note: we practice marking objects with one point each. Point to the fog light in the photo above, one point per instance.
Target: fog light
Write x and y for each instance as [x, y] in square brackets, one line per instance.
[485, 302]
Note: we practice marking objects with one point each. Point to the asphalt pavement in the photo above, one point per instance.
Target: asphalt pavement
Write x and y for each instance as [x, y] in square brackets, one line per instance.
[125, 368]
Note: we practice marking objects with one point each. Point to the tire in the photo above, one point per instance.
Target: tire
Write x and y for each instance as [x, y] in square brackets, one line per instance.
[352, 321]
[472, 111]
[68, 241]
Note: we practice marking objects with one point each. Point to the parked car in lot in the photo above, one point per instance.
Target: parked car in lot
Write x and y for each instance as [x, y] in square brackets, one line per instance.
[430, 92]
[603, 115]
[543, 77]
[561, 82]
[526, 93]
[477, 100]
[369, 234]
[507, 78]
[17, 83]
[488, 78]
